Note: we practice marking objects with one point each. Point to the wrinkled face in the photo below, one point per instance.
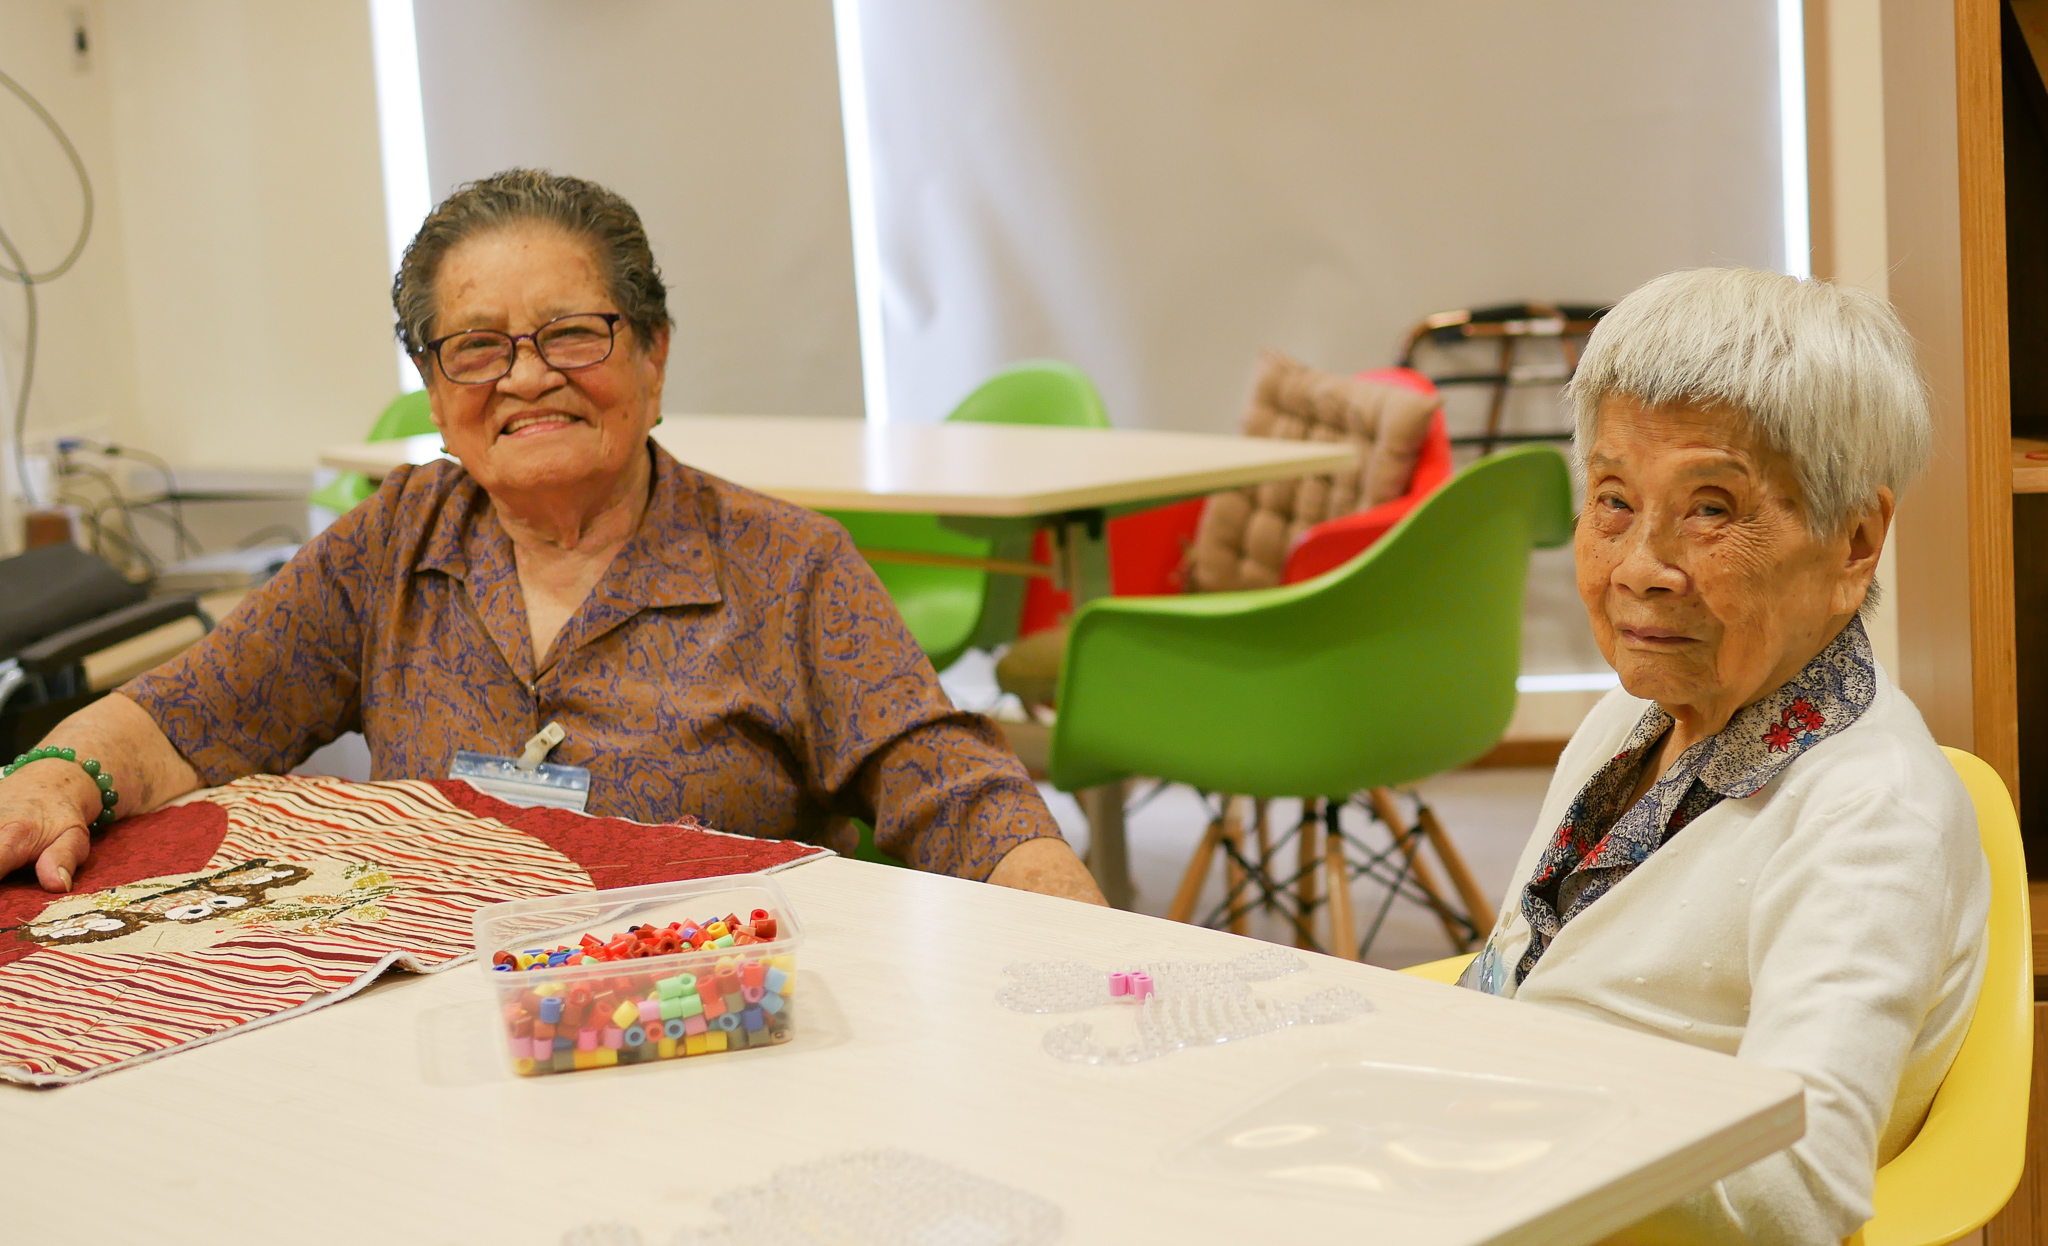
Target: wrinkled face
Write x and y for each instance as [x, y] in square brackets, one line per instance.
[537, 428]
[1703, 585]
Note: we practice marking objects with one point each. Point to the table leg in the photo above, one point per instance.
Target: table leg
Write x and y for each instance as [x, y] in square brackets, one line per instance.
[1083, 545]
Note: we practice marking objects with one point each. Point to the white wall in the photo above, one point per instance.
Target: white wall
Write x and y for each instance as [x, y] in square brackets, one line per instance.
[85, 374]
[231, 309]
[1156, 188]
[253, 223]
[719, 121]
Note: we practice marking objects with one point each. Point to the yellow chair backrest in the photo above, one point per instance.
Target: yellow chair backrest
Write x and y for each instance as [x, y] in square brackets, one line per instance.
[1966, 1161]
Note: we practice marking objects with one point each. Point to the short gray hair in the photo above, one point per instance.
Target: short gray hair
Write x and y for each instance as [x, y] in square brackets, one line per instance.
[1824, 374]
[583, 209]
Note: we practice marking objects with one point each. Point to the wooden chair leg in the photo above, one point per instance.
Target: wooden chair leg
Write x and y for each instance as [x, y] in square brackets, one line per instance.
[1233, 873]
[1308, 848]
[1408, 839]
[1198, 872]
[1263, 835]
[1343, 930]
[1477, 905]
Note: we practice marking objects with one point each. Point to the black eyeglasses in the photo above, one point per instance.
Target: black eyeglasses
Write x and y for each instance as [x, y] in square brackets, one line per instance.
[566, 343]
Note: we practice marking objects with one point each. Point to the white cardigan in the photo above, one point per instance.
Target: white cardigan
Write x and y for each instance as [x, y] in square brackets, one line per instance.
[1831, 924]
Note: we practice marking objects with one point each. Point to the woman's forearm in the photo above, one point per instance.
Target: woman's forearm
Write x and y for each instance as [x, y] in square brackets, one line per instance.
[146, 767]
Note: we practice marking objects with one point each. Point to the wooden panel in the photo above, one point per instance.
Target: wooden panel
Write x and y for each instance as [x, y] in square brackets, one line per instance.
[1925, 284]
[1987, 396]
[2024, 1222]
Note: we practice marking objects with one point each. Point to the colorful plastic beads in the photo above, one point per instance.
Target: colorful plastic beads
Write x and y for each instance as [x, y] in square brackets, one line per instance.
[666, 1010]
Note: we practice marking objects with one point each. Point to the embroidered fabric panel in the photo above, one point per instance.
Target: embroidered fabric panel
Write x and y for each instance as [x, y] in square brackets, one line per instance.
[1601, 839]
[738, 662]
[275, 894]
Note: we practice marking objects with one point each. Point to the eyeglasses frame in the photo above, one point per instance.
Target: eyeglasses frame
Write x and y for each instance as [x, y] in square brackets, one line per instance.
[611, 324]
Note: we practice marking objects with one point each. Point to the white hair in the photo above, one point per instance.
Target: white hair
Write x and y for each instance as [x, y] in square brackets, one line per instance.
[1823, 374]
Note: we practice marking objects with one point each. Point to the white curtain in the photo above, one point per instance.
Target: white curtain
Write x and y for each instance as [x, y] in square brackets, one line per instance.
[1154, 189]
[719, 121]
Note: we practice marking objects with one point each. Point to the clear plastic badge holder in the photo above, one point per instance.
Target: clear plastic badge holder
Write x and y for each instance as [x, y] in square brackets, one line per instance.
[1428, 1139]
[557, 787]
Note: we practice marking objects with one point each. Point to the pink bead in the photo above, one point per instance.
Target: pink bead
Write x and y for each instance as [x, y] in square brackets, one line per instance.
[1119, 983]
[693, 1025]
[614, 1037]
[1141, 986]
[586, 1039]
[650, 1012]
[522, 1049]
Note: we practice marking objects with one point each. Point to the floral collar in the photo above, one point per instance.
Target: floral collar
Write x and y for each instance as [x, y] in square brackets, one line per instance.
[1763, 738]
[1602, 839]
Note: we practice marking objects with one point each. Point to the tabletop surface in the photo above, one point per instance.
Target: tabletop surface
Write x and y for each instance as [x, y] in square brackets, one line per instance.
[390, 1117]
[992, 470]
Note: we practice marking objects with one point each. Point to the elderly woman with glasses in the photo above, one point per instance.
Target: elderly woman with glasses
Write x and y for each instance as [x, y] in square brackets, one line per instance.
[706, 650]
[1754, 844]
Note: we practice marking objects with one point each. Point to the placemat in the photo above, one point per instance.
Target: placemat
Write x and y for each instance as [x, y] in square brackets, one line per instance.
[273, 896]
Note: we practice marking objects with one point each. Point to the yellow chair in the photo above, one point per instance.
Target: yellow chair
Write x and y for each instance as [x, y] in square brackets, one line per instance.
[1966, 1161]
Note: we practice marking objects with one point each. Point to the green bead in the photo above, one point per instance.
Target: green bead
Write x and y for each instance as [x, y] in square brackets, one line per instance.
[67, 754]
[109, 797]
[105, 781]
[91, 767]
[21, 759]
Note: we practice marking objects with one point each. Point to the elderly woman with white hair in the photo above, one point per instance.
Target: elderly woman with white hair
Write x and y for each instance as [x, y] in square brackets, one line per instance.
[1754, 844]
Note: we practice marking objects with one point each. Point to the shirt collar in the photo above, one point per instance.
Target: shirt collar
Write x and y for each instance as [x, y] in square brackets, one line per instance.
[1764, 737]
[670, 561]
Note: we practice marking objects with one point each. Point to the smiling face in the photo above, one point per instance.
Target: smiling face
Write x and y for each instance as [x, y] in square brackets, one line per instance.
[537, 429]
[1704, 587]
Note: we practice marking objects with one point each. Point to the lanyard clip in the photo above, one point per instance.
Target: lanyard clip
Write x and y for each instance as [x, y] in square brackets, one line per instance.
[536, 750]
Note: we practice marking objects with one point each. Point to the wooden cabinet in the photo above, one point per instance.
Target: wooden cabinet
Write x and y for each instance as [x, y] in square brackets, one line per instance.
[2002, 229]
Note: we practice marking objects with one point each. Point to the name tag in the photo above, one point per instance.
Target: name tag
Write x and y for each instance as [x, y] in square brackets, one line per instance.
[526, 780]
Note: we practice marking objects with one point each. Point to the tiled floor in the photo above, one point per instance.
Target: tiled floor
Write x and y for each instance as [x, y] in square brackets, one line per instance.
[1489, 813]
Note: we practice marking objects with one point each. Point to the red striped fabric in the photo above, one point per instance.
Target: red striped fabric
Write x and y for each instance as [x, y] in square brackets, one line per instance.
[272, 896]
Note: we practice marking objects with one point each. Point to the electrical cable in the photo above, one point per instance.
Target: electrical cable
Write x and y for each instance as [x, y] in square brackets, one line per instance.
[29, 278]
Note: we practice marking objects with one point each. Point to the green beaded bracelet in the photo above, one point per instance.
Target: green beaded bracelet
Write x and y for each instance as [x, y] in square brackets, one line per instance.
[104, 781]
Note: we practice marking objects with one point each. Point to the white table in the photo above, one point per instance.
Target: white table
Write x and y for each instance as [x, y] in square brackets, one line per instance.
[390, 1117]
[1003, 481]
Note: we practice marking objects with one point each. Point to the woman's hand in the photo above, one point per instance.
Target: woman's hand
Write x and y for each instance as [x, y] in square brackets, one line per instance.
[48, 807]
[46, 814]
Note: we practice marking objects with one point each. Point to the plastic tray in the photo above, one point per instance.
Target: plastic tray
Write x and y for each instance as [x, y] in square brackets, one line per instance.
[692, 1011]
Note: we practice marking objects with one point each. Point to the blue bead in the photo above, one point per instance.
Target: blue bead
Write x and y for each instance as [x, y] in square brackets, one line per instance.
[673, 1027]
[727, 1021]
[634, 1036]
[753, 1019]
[551, 1009]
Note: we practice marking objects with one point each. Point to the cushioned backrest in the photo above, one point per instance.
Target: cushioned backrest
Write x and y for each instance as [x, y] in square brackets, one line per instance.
[1245, 533]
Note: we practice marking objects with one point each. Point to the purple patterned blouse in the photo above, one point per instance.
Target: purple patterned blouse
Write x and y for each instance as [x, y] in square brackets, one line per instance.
[738, 662]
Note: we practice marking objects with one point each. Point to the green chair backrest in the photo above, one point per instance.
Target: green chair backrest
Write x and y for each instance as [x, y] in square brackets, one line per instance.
[1395, 666]
[1036, 391]
[945, 606]
[408, 416]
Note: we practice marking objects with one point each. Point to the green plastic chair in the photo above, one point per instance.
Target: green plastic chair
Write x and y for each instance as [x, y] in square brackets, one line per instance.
[1396, 666]
[951, 609]
[408, 416]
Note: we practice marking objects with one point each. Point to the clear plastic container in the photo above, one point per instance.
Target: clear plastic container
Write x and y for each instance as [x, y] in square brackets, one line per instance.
[687, 1003]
